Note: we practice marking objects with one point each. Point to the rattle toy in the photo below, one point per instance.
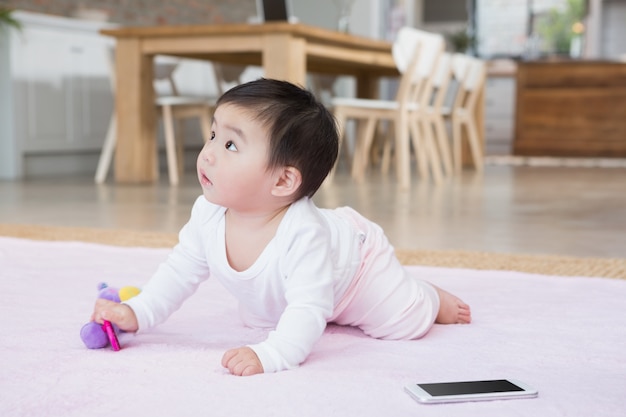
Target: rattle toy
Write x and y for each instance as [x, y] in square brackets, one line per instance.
[97, 336]
[108, 329]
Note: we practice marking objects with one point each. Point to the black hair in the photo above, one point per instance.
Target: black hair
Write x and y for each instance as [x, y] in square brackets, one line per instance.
[303, 133]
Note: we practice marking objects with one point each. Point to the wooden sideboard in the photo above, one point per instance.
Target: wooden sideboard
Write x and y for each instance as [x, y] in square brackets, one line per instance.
[571, 108]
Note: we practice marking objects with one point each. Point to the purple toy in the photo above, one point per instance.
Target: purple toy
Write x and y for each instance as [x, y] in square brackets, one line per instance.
[93, 335]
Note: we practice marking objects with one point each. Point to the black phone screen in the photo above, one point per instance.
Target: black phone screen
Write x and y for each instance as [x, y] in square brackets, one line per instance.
[470, 387]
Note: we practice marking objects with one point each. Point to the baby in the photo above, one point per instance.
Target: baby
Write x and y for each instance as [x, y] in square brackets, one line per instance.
[292, 266]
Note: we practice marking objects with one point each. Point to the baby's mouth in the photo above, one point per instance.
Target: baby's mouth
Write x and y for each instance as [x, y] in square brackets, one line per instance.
[204, 179]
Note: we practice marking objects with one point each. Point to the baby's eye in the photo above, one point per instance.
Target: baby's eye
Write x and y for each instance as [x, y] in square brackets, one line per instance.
[230, 145]
[212, 135]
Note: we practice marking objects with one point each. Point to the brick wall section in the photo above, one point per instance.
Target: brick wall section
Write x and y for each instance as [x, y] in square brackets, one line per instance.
[147, 12]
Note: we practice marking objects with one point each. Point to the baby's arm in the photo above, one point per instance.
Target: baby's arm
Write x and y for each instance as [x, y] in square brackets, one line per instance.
[119, 314]
[178, 277]
[168, 280]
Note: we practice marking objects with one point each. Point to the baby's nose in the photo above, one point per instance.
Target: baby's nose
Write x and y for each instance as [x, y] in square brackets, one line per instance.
[207, 155]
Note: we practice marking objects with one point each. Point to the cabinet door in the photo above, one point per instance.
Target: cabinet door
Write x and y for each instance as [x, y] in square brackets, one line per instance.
[92, 99]
[62, 90]
[10, 158]
[41, 82]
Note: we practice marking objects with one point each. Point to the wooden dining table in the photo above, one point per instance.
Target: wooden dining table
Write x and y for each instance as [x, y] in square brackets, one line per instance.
[286, 51]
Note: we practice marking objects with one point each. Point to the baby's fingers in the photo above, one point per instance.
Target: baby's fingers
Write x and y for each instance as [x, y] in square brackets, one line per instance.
[230, 354]
[119, 314]
[242, 362]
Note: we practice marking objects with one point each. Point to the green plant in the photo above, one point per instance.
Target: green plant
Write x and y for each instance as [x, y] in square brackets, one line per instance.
[6, 19]
[460, 41]
[556, 26]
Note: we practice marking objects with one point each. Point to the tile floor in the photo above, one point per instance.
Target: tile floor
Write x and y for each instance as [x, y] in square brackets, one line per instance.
[577, 211]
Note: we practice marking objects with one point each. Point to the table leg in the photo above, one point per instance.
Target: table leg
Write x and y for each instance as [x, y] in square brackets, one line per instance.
[136, 150]
[403, 150]
[284, 58]
[479, 117]
[367, 86]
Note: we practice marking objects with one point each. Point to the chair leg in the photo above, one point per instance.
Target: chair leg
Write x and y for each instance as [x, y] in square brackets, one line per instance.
[477, 153]
[443, 144]
[378, 144]
[456, 144]
[180, 146]
[420, 145]
[370, 140]
[344, 147]
[359, 143]
[341, 127]
[402, 149]
[361, 151]
[104, 162]
[170, 145]
[386, 159]
[430, 151]
[417, 140]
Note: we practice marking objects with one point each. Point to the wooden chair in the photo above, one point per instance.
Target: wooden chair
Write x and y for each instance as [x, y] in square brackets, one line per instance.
[322, 86]
[227, 76]
[435, 111]
[416, 54]
[430, 116]
[470, 75]
[172, 107]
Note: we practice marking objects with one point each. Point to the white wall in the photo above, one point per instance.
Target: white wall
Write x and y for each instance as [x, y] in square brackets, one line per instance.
[613, 35]
[316, 13]
[325, 13]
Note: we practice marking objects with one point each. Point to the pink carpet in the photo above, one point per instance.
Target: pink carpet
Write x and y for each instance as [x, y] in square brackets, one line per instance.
[564, 335]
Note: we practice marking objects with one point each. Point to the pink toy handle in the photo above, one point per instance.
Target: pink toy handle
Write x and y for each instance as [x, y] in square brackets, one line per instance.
[108, 329]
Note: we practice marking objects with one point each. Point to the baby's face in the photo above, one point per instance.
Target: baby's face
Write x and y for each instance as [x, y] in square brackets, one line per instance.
[232, 166]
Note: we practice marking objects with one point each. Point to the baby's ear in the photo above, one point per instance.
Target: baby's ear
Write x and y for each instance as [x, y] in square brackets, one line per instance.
[288, 180]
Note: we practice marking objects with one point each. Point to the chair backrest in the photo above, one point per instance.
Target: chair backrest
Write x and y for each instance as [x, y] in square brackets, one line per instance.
[407, 40]
[416, 54]
[470, 74]
[226, 76]
[443, 71]
[441, 80]
[164, 68]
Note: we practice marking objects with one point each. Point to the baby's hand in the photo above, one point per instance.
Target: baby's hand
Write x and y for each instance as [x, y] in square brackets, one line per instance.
[242, 362]
[119, 314]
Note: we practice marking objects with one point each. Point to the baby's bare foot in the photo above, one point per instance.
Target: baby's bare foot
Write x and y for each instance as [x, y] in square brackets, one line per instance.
[452, 309]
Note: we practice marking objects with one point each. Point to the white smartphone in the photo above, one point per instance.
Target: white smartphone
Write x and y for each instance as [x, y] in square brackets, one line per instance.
[447, 392]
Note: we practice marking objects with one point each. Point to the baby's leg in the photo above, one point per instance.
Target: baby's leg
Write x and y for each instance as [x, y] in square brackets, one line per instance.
[452, 309]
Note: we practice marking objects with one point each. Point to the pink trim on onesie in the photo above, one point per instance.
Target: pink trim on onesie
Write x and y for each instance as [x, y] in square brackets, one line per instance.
[383, 300]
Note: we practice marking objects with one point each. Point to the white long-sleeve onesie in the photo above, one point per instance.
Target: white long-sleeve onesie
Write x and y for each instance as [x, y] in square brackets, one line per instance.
[322, 265]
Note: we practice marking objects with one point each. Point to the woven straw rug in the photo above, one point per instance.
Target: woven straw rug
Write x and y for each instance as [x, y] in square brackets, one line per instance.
[537, 264]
